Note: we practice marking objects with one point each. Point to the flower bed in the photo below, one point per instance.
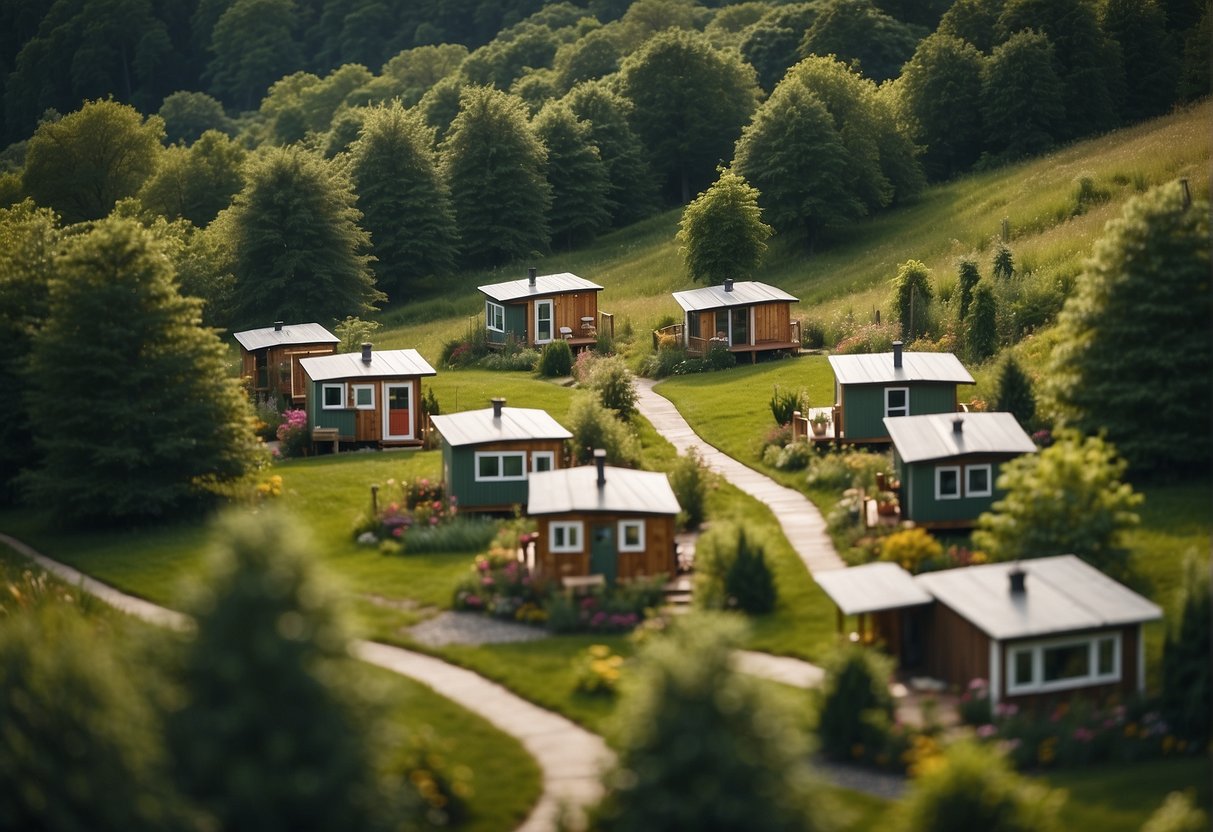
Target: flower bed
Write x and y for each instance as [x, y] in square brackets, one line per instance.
[420, 516]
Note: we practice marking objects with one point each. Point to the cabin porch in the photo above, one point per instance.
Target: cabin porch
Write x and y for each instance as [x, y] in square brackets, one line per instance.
[697, 347]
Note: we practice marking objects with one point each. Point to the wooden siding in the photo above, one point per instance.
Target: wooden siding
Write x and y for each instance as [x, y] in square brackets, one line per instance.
[355, 425]
[656, 559]
[492, 496]
[956, 651]
[567, 310]
[772, 322]
[284, 375]
[918, 502]
[863, 406]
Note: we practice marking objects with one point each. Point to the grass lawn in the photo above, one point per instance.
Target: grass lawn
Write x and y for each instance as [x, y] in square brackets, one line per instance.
[1120, 797]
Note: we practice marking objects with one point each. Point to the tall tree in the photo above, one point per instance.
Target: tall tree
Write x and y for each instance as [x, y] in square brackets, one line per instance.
[973, 21]
[109, 462]
[198, 182]
[405, 203]
[298, 251]
[912, 294]
[1023, 99]
[253, 45]
[967, 278]
[1013, 392]
[722, 235]
[187, 115]
[576, 174]
[981, 324]
[1151, 67]
[690, 103]
[83, 163]
[495, 166]
[1134, 356]
[771, 44]
[856, 30]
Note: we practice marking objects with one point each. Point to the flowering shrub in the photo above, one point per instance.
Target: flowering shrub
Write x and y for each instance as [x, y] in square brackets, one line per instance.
[586, 359]
[597, 671]
[268, 488]
[404, 506]
[292, 433]
[503, 587]
[910, 549]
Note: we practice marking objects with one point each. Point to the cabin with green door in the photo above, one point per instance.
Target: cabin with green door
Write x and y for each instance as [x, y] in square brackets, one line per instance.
[598, 520]
[367, 397]
[544, 308]
[269, 357]
[872, 387]
[947, 464]
[747, 317]
[488, 455]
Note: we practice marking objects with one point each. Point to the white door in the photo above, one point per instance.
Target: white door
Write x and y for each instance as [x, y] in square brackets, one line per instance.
[397, 410]
[543, 321]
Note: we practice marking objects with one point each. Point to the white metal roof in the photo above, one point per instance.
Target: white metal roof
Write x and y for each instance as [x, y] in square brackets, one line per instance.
[384, 364]
[1062, 594]
[255, 339]
[576, 489]
[545, 284]
[872, 587]
[743, 294]
[476, 427]
[933, 436]
[877, 368]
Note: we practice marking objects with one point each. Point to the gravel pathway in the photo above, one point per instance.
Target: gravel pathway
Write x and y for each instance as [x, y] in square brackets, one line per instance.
[472, 628]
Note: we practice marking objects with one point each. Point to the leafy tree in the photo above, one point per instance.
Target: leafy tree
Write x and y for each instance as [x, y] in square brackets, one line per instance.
[689, 479]
[417, 70]
[854, 698]
[857, 31]
[298, 253]
[405, 202]
[495, 166]
[502, 60]
[913, 295]
[973, 787]
[722, 234]
[694, 725]
[253, 45]
[690, 102]
[595, 426]
[344, 131]
[1151, 68]
[967, 278]
[1013, 393]
[939, 96]
[1004, 262]
[1024, 107]
[86, 161]
[973, 21]
[1187, 681]
[1133, 356]
[106, 461]
[593, 56]
[198, 182]
[1089, 521]
[1194, 81]
[771, 44]
[611, 380]
[187, 115]
[269, 634]
[981, 324]
[576, 174]
[440, 105]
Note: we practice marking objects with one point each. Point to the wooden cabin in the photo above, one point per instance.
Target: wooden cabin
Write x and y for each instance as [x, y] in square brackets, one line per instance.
[872, 387]
[488, 455]
[269, 357]
[1036, 630]
[601, 520]
[544, 308]
[366, 397]
[947, 464]
[749, 317]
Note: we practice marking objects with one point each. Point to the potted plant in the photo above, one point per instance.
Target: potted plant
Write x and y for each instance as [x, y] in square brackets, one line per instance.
[819, 424]
[886, 503]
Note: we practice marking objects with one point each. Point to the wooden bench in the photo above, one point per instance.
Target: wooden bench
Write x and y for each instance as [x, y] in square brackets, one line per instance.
[575, 582]
[327, 435]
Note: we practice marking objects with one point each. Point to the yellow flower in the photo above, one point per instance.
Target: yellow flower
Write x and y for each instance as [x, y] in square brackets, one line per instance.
[599, 651]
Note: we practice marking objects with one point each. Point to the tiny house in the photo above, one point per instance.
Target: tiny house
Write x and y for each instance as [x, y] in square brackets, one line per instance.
[872, 387]
[366, 397]
[601, 520]
[544, 308]
[488, 455]
[948, 464]
[269, 357]
[749, 317]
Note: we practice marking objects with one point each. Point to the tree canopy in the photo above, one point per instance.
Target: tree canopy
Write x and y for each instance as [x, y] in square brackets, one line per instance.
[722, 235]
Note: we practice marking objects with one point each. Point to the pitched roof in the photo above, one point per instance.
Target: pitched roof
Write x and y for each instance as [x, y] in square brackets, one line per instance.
[1062, 594]
[255, 339]
[933, 436]
[872, 587]
[384, 364]
[743, 294]
[545, 284]
[877, 368]
[576, 489]
[475, 427]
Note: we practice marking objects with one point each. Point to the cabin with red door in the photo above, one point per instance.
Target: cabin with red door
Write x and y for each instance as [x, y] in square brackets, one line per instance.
[269, 357]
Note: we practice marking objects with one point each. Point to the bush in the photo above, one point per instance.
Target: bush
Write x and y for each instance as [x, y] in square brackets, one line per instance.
[594, 426]
[731, 572]
[839, 470]
[719, 357]
[662, 363]
[974, 705]
[690, 367]
[503, 587]
[522, 360]
[1178, 813]
[583, 365]
[690, 478]
[597, 671]
[293, 437]
[784, 403]
[468, 349]
[612, 381]
[911, 549]
[868, 338]
[812, 333]
[794, 456]
[354, 332]
[463, 534]
[268, 416]
[556, 360]
[1187, 690]
[855, 702]
[749, 584]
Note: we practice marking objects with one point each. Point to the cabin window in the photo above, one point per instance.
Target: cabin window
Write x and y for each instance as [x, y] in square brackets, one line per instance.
[722, 324]
[947, 482]
[364, 397]
[542, 461]
[333, 396]
[693, 325]
[261, 361]
[977, 481]
[543, 321]
[740, 333]
[897, 401]
[566, 537]
[1058, 664]
[498, 466]
[631, 535]
[494, 316]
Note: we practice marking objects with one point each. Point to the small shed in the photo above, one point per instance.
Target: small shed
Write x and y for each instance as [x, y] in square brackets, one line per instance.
[872, 387]
[544, 308]
[948, 464]
[366, 397]
[269, 357]
[749, 317]
[488, 455]
[602, 520]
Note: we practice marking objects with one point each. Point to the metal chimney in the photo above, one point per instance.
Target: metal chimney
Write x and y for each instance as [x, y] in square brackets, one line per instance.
[278, 326]
[958, 425]
[896, 355]
[728, 284]
[1018, 578]
[498, 403]
[530, 276]
[366, 352]
[600, 461]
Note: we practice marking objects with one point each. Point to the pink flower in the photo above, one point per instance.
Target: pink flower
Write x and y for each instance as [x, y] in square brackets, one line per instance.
[436, 505]
[398, 531]
[986, 731]
[487, 580]
[433, 521]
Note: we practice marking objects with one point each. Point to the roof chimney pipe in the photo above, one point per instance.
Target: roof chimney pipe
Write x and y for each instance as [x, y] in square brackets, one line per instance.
[278, 326]
[958, 425]
[728, 284]
[1018, 577]
[366, 352]
[498, 403]
[600, 461]
[896, 355]
[530, 277]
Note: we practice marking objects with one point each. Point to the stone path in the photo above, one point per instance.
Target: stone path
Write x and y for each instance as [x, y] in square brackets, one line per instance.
[472, 628]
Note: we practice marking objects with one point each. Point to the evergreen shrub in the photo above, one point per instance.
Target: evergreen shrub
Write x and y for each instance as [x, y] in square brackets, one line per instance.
[556, 360]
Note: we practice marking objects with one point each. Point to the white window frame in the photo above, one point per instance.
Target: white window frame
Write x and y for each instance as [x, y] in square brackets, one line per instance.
[574, 537]
[1037, 651]
[939, 471]
[624, 546]
[494, 316]
[324, 398]
[550, 456]
[501, 457]
[989, 489]
[551, 305]
[358, 388]
[905, 407]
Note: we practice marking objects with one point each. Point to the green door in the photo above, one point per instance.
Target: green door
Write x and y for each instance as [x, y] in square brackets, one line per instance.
[602, 552]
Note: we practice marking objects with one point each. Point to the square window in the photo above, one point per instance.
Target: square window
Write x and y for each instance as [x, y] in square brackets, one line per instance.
[542, 460]
[566, 537]
[977, 481]
[488, 467]
[511, 465]
[494, 316]
[947, 482]
[334, 396]
[631, 535]
[897, 401]
[364, 396]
